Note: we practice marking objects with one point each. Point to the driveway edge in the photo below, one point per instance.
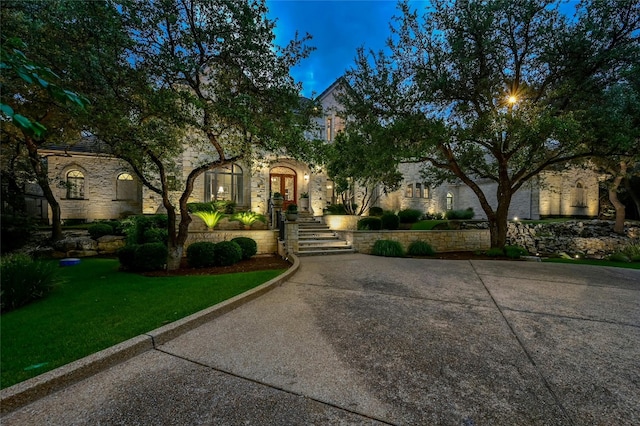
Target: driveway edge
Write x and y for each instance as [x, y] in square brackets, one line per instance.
[24, 393]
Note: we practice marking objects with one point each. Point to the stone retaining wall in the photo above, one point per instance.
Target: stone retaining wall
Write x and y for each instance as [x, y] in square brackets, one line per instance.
[592, 238]
[441, 241]
[267, 240]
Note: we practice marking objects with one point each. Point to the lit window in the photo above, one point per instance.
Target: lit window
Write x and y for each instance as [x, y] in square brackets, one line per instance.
[449, 201]
[418, 193]
[329, 129]
[125, 187]
[425, 191]
[579, 198]
[409, 192]
[225, 183]
[75, 185]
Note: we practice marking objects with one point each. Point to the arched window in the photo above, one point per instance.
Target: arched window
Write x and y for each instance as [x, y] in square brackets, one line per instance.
[125, 187]
[409, 192]
[449, 201]
[75, 185]
[225, 183]
[579, 198]
[418, 193]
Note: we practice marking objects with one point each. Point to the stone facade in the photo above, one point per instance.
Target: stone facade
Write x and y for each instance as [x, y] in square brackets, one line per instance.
[441, 241]
[594, 239]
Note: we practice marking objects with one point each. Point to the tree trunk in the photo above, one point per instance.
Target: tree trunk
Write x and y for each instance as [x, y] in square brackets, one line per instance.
[618, 227]
[174, 256]
[43, 180]
[498, 225]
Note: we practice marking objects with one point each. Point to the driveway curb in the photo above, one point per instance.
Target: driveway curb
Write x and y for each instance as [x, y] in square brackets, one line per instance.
[24, 393]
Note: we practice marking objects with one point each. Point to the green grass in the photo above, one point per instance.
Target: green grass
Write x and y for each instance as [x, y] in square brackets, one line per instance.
[98, 306]
[629, 265]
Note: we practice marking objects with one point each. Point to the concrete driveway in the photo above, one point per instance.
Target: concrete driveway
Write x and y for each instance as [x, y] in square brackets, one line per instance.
[357, 339]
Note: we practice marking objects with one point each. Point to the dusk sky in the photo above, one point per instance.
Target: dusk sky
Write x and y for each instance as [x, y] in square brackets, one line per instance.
[338, 28]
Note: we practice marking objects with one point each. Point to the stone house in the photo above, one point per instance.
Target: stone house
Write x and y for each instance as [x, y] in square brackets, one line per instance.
[92, 185]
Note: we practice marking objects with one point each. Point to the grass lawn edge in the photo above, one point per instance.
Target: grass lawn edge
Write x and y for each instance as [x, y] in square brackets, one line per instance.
[30, 390]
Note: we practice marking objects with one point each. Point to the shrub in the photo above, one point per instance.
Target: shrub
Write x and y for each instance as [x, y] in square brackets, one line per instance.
[248, 246]
[495, 252]
[155, 235]
[210, 219]
[460, 214]
[433, 216]
[387, 248]
[100, 229]
[420, 248]
[150, 257]
[515, 252]
[24, 280]
[619, 257]
[292, 208]
[632, 251]
[227, 253]
[201, 254]
[370, 223]
[201, 207]
[136, 226]
[127, 257]
[376, 211]
[409, 215]
[248, 218]
[390, 221]
[16, 231]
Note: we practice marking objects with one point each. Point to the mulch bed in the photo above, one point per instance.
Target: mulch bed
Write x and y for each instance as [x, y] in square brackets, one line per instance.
[256, 263]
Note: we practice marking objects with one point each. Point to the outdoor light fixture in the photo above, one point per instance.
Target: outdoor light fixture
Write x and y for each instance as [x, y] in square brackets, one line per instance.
[306, 176]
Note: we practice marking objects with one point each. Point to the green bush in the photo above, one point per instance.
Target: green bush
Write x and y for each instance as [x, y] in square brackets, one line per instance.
[127, 257]
[150, 257]
[24, 280]
[619, 257]
[632, 251]
[155, 235]
[201, 254]
[227, 253]
[390, 221]
[248, 246]
[16, 231]
[433, 216]
[370, 223]
[387, 248]
[136, 226]
[420, 248]
[460, 214]
[515, 252]
[100, 229]
[409, 215]
[495, 252]
[376, 211]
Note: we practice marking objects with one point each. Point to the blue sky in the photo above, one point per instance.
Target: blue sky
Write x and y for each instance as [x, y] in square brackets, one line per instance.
[338, 28]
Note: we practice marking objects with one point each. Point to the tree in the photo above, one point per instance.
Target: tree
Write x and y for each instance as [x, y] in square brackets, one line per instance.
[493, 90]
[215, 85]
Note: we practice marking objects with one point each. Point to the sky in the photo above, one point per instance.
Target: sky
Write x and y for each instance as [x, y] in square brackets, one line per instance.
[338, 28]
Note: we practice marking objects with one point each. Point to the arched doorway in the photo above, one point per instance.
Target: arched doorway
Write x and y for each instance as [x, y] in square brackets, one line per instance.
[284, 181]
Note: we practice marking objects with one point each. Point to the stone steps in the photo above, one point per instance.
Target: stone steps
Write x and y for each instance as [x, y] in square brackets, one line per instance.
[315, 238]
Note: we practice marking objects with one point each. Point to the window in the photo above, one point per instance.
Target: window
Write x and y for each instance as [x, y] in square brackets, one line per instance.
[409, 192]
[449, 201]
[225, 183]
[579, 198]
[425, 191]
[329, 129]
[75, 185]
[418, 193]
[125, 187]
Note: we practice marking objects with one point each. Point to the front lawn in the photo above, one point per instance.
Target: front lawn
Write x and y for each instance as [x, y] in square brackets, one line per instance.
[98, 306]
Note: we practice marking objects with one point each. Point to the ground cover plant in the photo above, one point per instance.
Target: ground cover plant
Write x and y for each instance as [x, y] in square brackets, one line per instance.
[387, 248]
[98, 306]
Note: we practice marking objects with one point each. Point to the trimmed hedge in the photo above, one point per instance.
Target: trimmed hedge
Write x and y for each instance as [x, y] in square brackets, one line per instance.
[390, 221]
[143, 257]
[387, 248]
[201, 254]
[376, 211]
[370, 223]
[409, 215]
[98, 230]
[460, 214]
[248, 246]
[227, 253]
[127, 257]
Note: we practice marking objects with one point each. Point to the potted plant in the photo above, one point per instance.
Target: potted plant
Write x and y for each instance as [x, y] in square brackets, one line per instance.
[248, 218]
[292, 212]
[277, 199]
[304, 201]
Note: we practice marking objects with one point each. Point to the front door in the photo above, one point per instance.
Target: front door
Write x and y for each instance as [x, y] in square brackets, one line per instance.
[283, 180]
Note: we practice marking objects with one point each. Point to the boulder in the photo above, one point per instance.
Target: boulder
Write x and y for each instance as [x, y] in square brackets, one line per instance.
[110, 244]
